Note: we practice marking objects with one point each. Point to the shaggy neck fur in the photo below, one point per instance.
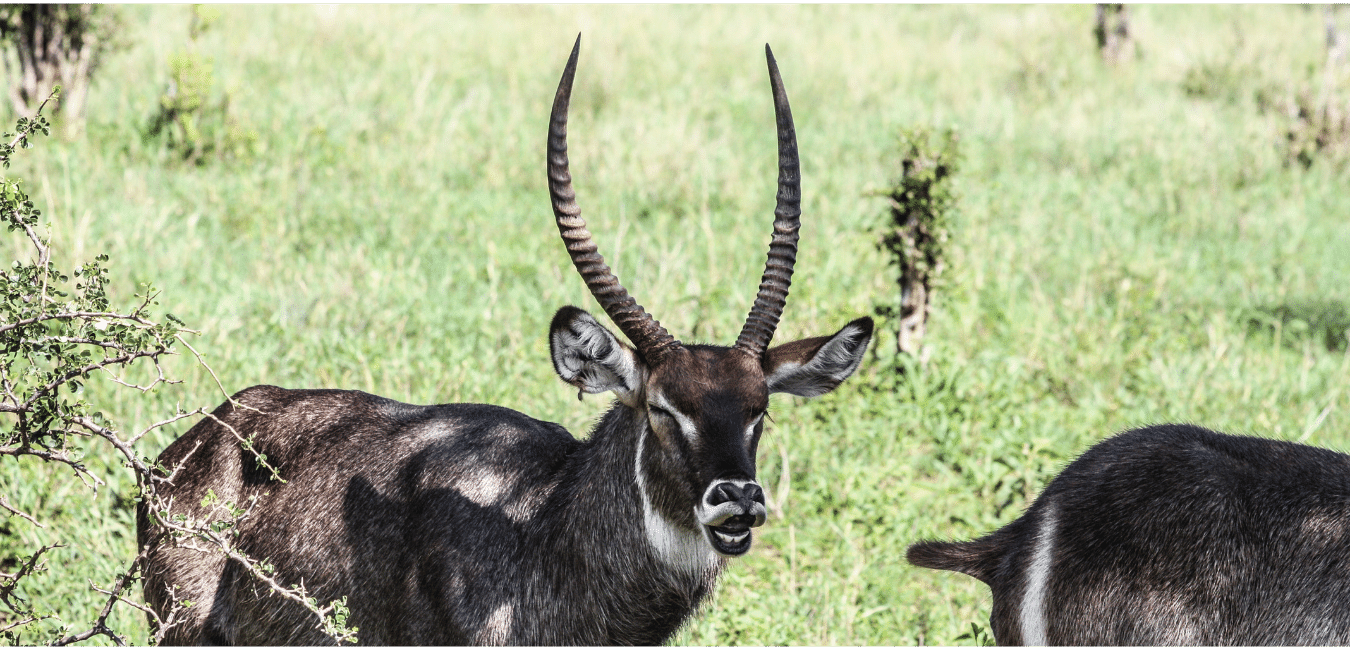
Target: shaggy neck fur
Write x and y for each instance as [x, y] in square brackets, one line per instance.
[645, 571]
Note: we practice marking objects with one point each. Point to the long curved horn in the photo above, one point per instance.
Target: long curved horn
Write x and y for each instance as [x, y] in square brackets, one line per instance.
[651, 340]
[773, 288]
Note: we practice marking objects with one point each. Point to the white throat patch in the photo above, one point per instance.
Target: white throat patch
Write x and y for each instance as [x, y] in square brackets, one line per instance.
[683, 550]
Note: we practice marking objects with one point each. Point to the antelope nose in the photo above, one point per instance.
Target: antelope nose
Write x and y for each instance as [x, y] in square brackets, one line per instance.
[748, 498]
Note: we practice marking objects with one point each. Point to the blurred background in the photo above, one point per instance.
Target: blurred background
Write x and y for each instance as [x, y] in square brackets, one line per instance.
[1110, 217]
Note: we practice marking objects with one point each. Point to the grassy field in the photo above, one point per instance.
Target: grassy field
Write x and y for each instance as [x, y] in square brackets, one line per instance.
[1131, 248]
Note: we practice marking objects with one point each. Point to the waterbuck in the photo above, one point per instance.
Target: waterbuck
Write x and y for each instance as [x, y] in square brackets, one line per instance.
[475, 524]
[1173, 535]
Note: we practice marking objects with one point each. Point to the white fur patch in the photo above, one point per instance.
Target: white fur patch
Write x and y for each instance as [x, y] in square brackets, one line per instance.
[831, 365]
[683, 550]
[750, 430]
[497, 629]
[1038, 576]
[526, 505]
[686, 424]
[484, 486]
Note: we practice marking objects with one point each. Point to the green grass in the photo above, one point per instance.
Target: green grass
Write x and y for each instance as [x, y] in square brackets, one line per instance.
[1131, 249]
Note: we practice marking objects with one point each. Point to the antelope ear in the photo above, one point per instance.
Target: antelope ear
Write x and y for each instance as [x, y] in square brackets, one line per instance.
[818, 365]
[588, 356]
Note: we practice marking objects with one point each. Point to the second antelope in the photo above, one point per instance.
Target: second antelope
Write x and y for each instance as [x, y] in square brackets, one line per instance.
[1172, 535]
[474, 524]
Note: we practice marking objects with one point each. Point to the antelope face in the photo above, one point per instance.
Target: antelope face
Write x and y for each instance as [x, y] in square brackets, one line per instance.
[703, 406]
[706, 407]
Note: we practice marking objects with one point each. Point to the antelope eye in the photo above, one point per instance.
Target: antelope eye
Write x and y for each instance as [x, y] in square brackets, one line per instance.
[660, 412]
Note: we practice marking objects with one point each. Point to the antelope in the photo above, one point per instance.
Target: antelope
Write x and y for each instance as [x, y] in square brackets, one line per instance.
[475, 524]
[1172, 535]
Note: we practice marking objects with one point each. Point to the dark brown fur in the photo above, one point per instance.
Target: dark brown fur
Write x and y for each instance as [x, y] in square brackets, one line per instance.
[371, 485]
[1176, 535]
[468, 523]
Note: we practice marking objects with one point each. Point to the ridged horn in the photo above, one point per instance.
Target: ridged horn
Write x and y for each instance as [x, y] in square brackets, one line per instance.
[773, 288]
[651, 340]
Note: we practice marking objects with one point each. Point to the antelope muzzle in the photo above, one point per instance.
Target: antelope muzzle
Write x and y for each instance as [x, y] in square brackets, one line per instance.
[728, 511]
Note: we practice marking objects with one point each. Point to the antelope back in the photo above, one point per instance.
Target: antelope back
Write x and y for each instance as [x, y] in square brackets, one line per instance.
[1172, 535]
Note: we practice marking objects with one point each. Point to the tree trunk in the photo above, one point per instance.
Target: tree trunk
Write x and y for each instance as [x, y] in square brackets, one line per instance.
[1336, 42]
[1112, 30]
[914, 290]
[53, 45]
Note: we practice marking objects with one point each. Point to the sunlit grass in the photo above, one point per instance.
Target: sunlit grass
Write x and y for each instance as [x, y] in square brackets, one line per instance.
[1125, 254]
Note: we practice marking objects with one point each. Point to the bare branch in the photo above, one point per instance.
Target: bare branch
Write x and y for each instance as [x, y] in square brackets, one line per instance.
[182, 415]
[159, 378]
[4, 503]
[10, 581]
[31, 126]
[219, 542]
[100, 626]
[212, 372]
[124, 447]
[133, 318]
[174, 473]
[22, 622]
[209, 529]
[122, 360]
[41, 247]
[247, 444]
[75, 340]
[50, 456]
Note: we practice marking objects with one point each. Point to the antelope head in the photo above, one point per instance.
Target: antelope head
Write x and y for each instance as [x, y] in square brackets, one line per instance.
[700, 408]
